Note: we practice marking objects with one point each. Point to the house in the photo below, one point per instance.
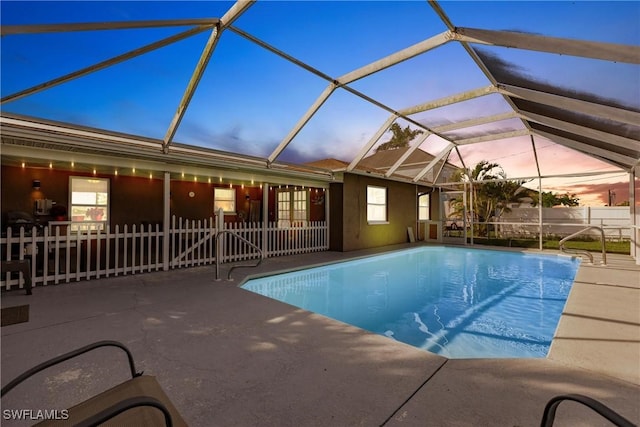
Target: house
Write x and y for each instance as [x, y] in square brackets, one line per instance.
[104, 202]
[354, 225]
[417, 160]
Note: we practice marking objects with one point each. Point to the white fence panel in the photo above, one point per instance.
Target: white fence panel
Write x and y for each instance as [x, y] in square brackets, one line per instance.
[192, 242]
[59, 255]
[560, 221]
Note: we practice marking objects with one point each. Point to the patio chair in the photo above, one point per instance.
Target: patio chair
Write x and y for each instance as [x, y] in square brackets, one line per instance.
[452, 229]
[139, 401]
[18, 265]
[549, 414]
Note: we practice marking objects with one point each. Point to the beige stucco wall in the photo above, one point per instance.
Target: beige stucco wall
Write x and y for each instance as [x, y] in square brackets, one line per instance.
[351, 222]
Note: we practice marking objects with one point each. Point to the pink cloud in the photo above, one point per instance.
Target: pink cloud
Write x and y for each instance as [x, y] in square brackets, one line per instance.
[598, 194]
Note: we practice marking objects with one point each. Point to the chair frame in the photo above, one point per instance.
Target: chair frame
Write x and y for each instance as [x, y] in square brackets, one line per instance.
[112, 410]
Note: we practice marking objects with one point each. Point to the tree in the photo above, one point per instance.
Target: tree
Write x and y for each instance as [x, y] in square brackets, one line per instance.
[549, 199]
[485, 195]
[492, 198]
[400, 138]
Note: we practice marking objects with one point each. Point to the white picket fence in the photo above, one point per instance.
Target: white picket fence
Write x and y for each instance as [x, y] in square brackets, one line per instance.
[59, 255]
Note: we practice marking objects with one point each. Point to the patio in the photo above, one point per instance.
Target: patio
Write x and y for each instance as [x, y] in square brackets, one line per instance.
[228, 357]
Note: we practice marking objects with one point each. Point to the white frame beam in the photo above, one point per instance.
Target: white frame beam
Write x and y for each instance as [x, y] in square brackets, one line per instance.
[535, 155]
[448, 100]
[397, 57]
[102, 65]
[196, 76]
[280, 53]
[493, 137]
[443, 16]
[587, 49]
[16, 126]
[238, 8]
[464, 166]
[442, 154]
[234, 12]
[633, 211]
[618, 160]
[577, 105]
[365, 149]
[476, 122]
[444, 161]
[475, 58]
[407, 153]
[7, 30]
[529, 178]
[378, 65]
[609, 138]
[326, 93]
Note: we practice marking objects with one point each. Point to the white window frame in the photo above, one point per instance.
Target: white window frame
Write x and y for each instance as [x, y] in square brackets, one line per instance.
[374, 203]
[423, 207]
[94, 210]
[221, 194]
[294, 211]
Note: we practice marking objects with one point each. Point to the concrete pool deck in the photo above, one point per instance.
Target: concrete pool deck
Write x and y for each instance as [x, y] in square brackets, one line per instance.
[228, 357]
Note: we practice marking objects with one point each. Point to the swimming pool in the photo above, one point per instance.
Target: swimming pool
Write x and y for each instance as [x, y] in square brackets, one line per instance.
[456, 302]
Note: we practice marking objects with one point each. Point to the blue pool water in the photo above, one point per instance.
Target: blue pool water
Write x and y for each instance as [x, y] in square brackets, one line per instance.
[457, 302]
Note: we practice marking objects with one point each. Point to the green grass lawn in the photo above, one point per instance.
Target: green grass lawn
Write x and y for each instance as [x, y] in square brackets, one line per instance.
[585, 245]
[611, 247]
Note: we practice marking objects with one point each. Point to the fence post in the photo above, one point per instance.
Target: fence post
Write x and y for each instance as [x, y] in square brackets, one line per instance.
[327, 218]
[219, 227]
[265, 219]
[166, 238]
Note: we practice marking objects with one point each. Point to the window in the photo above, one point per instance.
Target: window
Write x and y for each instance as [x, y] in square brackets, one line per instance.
[423, 207]
[293, 207]
[376, 204]
[224, 198]
[89, 203]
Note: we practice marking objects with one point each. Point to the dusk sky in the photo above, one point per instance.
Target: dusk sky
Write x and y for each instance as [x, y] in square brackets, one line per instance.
[249, 99]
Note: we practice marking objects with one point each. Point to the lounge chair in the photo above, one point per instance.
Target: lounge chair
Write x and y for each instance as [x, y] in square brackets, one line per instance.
[139, 401]
[550, 410]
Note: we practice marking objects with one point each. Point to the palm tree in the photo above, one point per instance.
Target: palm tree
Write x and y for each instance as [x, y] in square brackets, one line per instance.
[492, 198]
[401, 137]
[503, 194]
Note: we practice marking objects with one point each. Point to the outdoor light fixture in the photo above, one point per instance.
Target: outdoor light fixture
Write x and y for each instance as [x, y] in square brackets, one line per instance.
[36, 184]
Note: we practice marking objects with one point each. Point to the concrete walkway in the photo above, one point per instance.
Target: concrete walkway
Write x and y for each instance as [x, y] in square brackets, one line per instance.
[229, 357]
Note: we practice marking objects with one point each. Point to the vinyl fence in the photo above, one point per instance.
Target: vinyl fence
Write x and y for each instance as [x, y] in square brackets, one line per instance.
[562, 221]
[56, 254]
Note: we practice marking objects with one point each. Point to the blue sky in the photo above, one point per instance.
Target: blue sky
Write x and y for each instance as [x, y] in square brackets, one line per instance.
[249, 99]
